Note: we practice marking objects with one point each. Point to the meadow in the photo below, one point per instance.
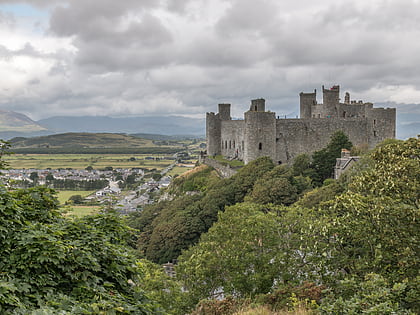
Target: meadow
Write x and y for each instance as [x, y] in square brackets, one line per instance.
[81, 161]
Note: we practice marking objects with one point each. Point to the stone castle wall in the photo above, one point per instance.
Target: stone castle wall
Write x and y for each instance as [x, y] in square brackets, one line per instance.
[261, 134]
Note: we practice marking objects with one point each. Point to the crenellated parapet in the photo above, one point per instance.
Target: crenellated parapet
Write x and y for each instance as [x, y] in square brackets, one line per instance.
[261, 134]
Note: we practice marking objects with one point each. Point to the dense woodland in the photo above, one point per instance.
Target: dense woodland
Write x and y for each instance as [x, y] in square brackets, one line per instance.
[273, 237]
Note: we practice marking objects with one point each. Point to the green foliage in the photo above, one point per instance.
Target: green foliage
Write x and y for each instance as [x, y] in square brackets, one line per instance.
[315, 197]
[394, 173]
[323, 161]
[55, 265]
[168, 228]
[166, 291]
[4, 150]
[244, 253]
[374, 295]
[373, 227]
[196, 180]
[76, 199]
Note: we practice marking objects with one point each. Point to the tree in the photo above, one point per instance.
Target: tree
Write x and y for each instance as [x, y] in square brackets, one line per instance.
[273, 190]
[323, 161]
[54, 265]
[34, 177]
[76, 199]
[243, 254]
[373, 227]
[4, 150]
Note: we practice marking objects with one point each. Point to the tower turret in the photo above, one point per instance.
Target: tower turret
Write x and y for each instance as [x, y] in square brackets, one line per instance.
[331, 99]
[257, 105]
[224, 112]
[307, 100]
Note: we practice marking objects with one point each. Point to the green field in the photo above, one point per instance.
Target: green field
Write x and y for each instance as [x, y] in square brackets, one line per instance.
[81, 161]
[64, 195]
[80, 211]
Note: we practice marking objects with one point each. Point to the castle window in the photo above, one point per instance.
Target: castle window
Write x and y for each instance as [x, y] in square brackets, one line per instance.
[344, 114]
[243, 145]
[260, 146]
[234, 144]
[374, 122]
[230, 144]
[374, 133]
[319, 115]
[225, 144]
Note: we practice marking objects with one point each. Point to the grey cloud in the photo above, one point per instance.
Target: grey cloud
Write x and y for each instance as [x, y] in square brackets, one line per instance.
[134, 57]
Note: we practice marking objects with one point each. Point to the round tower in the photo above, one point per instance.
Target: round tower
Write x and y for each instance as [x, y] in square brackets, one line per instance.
[259, 135]
[213, 134]
[307, 100]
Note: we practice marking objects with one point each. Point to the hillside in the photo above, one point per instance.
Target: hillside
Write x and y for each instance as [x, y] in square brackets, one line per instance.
[17, 122]
[82, 140]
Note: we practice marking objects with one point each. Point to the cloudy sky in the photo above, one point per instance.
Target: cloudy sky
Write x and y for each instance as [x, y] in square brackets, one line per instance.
[183, 57]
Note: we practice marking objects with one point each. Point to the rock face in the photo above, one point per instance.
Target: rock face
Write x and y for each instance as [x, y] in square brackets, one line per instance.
[262, 134]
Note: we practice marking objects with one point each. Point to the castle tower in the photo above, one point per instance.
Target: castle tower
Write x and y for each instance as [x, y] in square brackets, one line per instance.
[331, 99]
[213, 134]
[257, 105]
[224, 112]
[260, 132]
[307, 100]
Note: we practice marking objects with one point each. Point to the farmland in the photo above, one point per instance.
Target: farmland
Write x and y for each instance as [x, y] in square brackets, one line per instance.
[81, 161]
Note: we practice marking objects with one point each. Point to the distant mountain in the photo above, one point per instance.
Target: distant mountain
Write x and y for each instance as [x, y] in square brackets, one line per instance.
[15, 122]
[410, 130]
[162, 125]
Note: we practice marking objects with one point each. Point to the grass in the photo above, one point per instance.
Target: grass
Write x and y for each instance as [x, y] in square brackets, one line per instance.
[81, 211]
[177, 170]
[64, 195]
[81, 161]
[232, 163]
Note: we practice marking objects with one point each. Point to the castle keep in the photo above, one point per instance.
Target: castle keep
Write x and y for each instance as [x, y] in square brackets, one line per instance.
[260, 133]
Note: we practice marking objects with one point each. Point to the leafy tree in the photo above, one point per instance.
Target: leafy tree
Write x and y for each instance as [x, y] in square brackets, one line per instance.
[314, 198]
[244, 253]
[76, 199]
[274, 190]
[170, 227]
[374, 295]
[323, 161]
[4, 150]
[55, 265]
[373, 227]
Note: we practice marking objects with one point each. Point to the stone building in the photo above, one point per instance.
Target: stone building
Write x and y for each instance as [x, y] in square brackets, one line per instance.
[260, 133]
[344, 163]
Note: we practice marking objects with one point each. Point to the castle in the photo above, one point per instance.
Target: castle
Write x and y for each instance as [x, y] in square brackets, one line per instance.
[260, 133]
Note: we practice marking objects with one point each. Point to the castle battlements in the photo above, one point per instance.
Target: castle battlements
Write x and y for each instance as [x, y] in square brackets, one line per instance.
[260, 133]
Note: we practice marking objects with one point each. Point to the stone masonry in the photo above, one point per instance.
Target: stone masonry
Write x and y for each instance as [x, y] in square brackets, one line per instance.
[260, 133]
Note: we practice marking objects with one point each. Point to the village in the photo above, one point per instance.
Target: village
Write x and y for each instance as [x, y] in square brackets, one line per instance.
[126, 189]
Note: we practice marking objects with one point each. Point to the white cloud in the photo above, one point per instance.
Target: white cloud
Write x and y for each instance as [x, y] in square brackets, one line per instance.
[102, 57]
